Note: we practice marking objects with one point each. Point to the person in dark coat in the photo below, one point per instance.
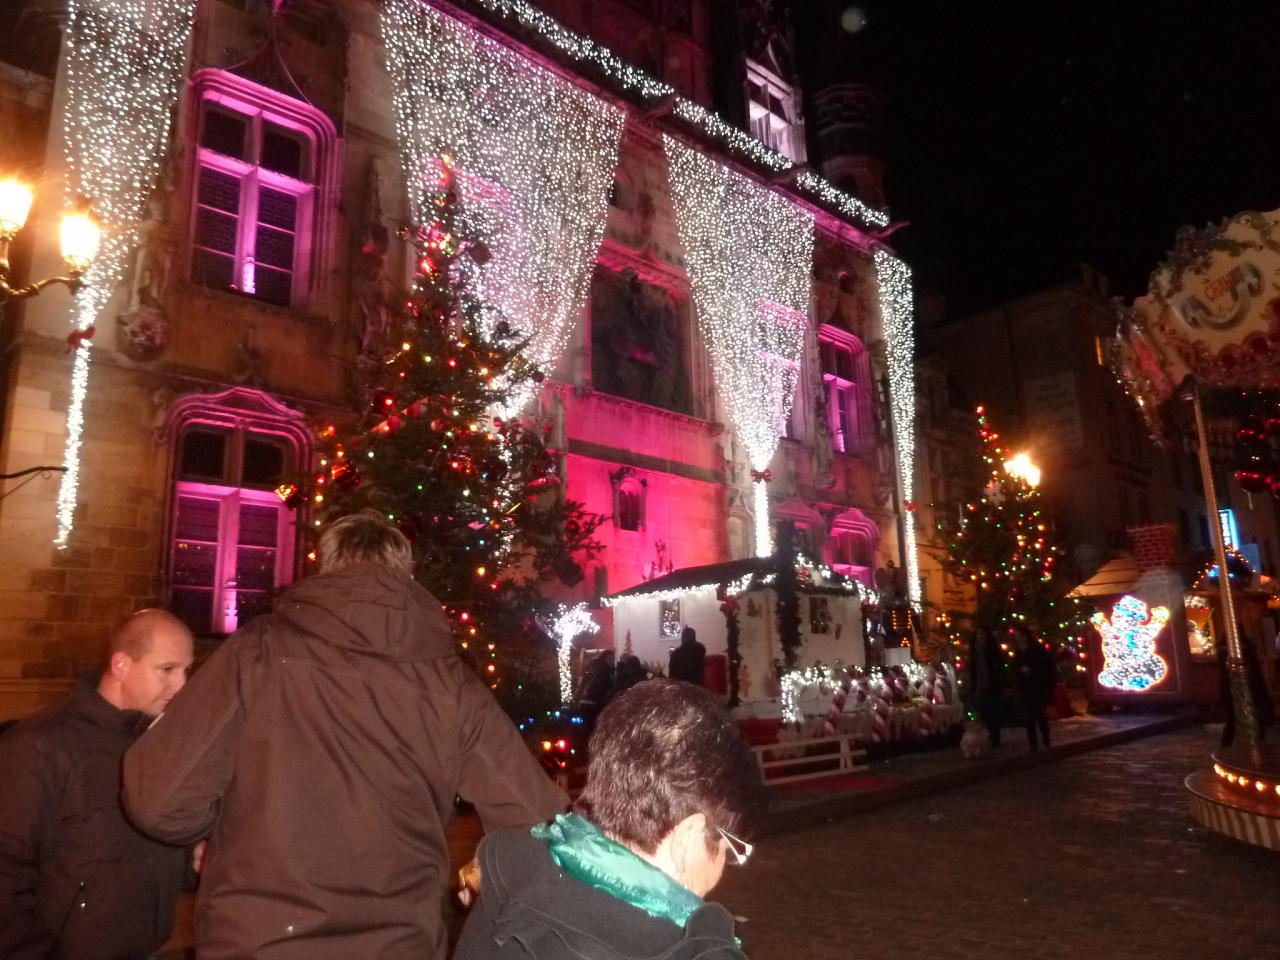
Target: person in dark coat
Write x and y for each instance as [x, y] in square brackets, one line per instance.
[671, 789]
[1037, 675]
[77, 881]
[689, 660]
[985, 672]
[321, 749]
[630, 671]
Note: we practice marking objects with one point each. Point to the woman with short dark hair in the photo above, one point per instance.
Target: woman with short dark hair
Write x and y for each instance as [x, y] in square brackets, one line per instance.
[671, 788]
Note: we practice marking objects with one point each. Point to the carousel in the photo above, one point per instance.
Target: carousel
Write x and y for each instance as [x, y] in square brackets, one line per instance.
[1211, 322]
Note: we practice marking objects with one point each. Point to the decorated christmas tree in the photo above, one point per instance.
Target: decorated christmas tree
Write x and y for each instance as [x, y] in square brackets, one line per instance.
[438, 445]
[1000, 540]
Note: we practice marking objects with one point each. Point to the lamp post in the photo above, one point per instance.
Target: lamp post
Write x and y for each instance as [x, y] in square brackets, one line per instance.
[79, 234]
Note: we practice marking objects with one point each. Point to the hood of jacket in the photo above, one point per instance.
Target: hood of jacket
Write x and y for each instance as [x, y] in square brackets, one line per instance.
[373, 609]
[526, 899]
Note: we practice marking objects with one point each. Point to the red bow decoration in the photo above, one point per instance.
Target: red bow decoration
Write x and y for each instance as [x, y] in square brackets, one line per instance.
[911, 506]
[77, 337]
[761, 476]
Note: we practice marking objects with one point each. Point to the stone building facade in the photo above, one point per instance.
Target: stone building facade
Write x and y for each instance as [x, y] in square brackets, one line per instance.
[211, 369]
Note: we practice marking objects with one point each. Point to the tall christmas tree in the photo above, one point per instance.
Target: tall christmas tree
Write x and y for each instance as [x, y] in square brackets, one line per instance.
[1001, 541]
[477, 494]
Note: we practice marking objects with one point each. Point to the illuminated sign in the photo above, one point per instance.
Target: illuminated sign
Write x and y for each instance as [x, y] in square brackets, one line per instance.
[1129, 659]
[1230, 532]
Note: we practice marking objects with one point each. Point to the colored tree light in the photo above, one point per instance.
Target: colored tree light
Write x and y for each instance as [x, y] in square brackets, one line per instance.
[1129, 636]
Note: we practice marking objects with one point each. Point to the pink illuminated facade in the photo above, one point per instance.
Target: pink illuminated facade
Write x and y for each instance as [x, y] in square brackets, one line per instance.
[269, 262]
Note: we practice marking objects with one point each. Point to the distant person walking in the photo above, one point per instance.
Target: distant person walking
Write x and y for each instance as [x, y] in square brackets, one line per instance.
[689, 660]
[321, 749]
[1037, 676]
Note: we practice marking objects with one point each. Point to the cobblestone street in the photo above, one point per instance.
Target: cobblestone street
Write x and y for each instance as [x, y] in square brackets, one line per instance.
[1094, 856]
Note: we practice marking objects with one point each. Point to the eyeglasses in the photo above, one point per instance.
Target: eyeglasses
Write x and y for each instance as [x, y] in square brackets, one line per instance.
[740, 849]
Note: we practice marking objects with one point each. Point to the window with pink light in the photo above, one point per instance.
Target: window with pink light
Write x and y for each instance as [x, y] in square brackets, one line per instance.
[851, 547]
[232, 538]
[846, 378]
[262, 162]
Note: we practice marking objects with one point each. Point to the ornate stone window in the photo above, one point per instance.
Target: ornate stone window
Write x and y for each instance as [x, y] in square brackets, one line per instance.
[265, 165]
[774, 113]
[846, 377]
[231, 539]
[851, 548]
[639, 341]
[630, 496]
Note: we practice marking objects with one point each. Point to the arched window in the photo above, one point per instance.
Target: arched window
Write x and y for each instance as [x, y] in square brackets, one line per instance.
[629, 493]
[629, 508]
[846, 377]
[851, 548]
[231, 543]
[265, 166]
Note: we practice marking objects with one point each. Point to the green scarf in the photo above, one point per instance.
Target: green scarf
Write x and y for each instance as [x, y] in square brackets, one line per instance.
[582, 851]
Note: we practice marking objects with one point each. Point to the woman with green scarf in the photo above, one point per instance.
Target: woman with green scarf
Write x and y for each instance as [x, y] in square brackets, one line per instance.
[671, 788]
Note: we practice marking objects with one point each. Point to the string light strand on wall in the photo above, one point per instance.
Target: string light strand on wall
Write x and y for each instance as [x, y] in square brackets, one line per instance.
[893, 278]
[535, 156]
[637, 81]
[749, 254]
[124, 63]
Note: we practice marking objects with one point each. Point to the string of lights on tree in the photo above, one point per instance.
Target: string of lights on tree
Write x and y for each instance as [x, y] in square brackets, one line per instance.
[897, 316]
[124, 63]
[1001, 542]
[477, 496]
[642, 84]
[568, 624]
[749, 254]
[535, 156]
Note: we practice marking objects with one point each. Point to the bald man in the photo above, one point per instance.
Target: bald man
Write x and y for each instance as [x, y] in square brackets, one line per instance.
[77, 881]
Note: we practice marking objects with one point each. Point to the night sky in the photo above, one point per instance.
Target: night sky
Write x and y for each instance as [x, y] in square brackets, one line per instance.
[1023, 137]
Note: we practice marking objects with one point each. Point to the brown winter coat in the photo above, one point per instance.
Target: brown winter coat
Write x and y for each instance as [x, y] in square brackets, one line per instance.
[321, 749]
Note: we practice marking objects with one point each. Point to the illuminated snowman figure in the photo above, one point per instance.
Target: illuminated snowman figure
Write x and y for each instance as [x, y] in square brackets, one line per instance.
[1129, 659]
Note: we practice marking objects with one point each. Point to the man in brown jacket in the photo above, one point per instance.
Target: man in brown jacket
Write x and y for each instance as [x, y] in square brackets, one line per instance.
[321, 750]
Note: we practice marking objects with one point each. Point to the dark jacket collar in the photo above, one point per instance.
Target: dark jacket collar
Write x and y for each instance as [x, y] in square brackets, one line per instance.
[89, 703]
[555, 916]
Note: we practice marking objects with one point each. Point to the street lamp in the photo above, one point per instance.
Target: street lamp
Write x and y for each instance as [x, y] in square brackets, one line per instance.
[80, 236]
[1023, 468]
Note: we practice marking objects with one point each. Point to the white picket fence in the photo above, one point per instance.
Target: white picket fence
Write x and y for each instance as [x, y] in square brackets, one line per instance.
[808, 759]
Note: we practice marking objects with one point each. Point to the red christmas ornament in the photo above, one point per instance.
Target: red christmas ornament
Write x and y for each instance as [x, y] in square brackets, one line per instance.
[1254, 481]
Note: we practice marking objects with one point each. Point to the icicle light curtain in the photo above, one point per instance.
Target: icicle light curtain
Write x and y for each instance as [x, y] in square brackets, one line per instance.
[749, 253]
[125, 60]
[535, 155]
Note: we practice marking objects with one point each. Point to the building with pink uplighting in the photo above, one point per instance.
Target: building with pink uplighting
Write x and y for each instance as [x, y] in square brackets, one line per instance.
[267, 262]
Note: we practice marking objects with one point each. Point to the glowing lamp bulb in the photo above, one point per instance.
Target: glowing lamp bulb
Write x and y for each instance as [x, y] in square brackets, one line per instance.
[15, 203]
[80, 236]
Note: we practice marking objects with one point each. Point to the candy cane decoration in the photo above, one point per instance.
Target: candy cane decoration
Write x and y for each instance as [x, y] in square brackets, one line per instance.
[831, 724]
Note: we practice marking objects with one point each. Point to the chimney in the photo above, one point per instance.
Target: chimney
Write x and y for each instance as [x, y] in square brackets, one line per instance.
[1152, 545]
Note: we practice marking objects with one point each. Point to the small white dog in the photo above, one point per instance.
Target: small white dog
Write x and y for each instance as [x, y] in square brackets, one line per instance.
[974, 740]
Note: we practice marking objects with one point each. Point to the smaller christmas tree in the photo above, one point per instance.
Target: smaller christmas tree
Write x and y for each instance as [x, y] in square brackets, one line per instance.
[1001, 541]
[477, 493]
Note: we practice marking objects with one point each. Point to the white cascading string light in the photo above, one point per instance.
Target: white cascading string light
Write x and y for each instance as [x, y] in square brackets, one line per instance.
[897, 316]
[640, 83]
[125, 60]
[569, 623]
[749, 252]
[534, 156]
